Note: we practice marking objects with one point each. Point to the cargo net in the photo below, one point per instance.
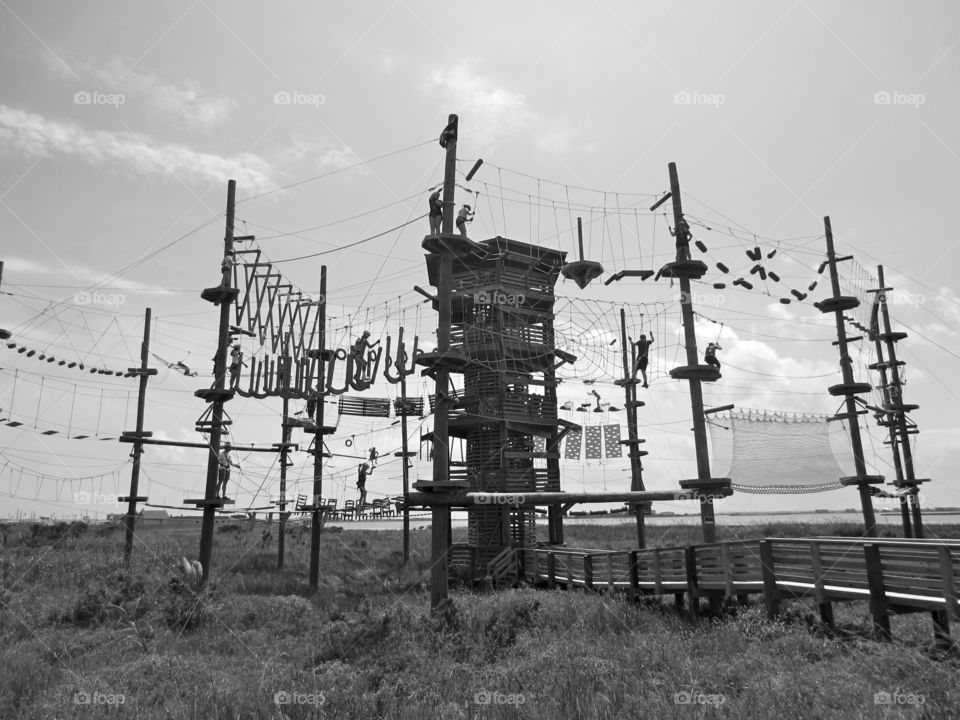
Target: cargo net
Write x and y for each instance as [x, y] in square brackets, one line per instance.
[777, 453]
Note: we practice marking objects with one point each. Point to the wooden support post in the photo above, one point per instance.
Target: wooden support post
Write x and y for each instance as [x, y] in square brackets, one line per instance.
[588, 571]
[901, 417]
[404, 444]
[219, 380]
[878, 593]
[131, 518]
[317, 514]
[771, 596]
[846, 369]
[891, 429]
[824, 605]
[630, 396]
[551, 570]
[440, 516]
[951, 613]
[282, 505]
[634, 573]
[707, 517]
[693, 593]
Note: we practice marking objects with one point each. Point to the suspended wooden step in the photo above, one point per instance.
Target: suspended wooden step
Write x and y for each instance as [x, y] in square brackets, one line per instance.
[847, 416]
[861, 480]
[841, 303]
[214, 394]
[408, 407]
[713, 484]
[4, 334]
[219, 295]
[638, 441]
[892, 336]
[138, 498]
[135, 434]
[690, 269]
[623, 382]
[212, 502]
[704, 373]
[315, 354]
[899, 407]
[364, 406]
[634, 403]
[451, 360]
[642, 274]
[581, 271]
[854, 388]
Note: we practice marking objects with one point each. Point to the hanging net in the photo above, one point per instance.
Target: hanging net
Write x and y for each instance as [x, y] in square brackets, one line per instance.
[777, 453]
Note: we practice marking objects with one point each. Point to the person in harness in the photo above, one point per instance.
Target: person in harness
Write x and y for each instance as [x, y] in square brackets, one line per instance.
[710, 355]
[642, 347]
[436, 212]
[362, 471]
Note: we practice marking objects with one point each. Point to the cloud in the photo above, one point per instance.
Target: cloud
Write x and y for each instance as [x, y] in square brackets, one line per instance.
[492, 111]
[35, 136]
[187, 102]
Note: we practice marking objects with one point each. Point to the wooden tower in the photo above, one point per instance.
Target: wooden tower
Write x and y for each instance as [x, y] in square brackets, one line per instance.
[501, 328]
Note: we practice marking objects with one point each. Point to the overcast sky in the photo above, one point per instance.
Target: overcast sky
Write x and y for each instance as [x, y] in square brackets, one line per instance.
[120, 124]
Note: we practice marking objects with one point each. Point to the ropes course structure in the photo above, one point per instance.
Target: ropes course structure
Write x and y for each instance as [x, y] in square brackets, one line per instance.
[526, 368]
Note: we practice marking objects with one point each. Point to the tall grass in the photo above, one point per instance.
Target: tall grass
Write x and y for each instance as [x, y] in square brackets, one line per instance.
[80, 632]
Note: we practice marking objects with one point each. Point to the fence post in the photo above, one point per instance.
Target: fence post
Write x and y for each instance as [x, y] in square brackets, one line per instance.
[878, 602]
[690, 557]
[771, 596]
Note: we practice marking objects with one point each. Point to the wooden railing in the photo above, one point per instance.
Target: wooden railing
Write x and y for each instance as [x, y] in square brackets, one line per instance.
[503, 570]
[894, 576]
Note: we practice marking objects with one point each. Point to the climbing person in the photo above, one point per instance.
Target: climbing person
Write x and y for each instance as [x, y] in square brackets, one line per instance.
[236, 363]
[642, 348]
[360, 347]
[362, 471]
[710, 355]
[436, 212]
[223, 476]
[374, 455]
[226, 267]
[683, 235]
[463, 217]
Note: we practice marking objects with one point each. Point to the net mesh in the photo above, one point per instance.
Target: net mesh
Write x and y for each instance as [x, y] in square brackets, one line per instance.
[775, 453]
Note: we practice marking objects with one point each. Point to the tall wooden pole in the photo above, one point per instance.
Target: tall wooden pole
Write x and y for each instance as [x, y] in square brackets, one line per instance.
[318, 444]
[440, 516]
[405, 449]
[220, 372]
[707, 517]
[282, 505]
[897, 404]
[631, 404]
[144, 372]
[846, 369]
[881, 367]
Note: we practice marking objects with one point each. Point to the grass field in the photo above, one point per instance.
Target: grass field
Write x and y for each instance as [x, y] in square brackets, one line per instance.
[81, 636]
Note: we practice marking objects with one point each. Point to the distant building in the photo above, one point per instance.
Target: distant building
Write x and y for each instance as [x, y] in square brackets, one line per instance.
[154, 515]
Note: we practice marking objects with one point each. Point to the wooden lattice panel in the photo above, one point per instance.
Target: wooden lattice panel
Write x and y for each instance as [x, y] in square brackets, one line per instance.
[367, 407]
